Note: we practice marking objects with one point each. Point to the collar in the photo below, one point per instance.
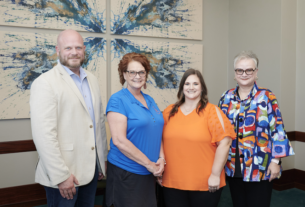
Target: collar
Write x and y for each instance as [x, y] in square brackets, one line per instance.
[82, 72]
[251, 94]
[133, 99]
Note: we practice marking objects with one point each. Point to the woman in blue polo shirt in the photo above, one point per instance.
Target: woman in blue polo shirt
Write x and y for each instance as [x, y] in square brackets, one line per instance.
[136, 125]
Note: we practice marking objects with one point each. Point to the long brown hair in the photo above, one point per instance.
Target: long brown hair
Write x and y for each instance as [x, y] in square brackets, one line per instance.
[181, 99]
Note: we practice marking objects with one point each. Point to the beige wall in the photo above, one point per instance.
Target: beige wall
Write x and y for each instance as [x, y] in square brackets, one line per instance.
[215, 47]
[256, 25]
[268, 27]
[288, 62]
[300, 69]
[300, 84]
[288, 71]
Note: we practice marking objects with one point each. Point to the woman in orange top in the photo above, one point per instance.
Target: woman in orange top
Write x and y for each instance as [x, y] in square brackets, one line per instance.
[196, 140]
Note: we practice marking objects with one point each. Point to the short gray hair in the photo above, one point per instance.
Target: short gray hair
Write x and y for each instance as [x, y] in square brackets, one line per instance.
[246, 55]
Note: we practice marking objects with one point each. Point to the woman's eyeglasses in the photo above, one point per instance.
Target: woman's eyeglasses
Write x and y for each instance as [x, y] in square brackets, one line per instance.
[132, 73]
[248, 71]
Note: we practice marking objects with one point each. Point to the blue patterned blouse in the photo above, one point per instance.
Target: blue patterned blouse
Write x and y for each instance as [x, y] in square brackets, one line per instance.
[261, 135]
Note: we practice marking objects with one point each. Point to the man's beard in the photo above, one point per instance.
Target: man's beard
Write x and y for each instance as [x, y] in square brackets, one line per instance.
[66, 63]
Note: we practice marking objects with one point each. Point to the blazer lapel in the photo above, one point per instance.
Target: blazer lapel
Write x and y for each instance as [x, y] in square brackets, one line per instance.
[72, 85]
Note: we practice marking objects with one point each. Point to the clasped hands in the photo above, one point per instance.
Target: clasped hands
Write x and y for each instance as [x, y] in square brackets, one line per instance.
[157, 169]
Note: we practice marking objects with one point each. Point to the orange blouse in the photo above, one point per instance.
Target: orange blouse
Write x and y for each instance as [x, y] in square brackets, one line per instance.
[189, 143]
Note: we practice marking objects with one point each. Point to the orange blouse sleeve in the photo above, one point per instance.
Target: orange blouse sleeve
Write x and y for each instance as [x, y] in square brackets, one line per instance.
[219, 125]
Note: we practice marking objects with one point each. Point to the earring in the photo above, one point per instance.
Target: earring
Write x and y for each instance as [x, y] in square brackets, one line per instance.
[234, 78]
[145, 86]
[256, 78]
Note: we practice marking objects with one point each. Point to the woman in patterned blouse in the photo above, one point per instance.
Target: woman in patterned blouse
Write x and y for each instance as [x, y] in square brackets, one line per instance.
[254, 156]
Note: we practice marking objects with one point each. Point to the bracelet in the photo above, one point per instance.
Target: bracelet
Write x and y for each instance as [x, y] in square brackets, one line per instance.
[163, 159]
[279, 162]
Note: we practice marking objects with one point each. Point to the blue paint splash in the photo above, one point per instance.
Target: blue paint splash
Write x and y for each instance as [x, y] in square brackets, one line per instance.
[157, 13]
[79, 11]
[95, 47]
[165, 69]
[31, 63]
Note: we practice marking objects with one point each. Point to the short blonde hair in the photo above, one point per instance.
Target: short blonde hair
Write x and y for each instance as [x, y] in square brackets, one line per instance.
[246, 55]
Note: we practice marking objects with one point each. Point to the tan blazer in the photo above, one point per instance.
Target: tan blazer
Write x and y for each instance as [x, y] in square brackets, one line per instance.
[63, 131]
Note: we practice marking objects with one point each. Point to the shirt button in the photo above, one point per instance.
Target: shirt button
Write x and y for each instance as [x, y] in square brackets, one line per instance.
[92, 148]
[91, 126]
[89, 108]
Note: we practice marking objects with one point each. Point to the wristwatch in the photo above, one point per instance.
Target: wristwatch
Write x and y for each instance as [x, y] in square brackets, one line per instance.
[279, 162]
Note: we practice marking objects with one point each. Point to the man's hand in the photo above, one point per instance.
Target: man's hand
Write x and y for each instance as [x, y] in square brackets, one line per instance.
[101, 175]
[67, 188]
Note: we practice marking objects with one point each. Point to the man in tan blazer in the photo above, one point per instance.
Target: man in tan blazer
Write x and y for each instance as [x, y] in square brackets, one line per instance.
[68, 127]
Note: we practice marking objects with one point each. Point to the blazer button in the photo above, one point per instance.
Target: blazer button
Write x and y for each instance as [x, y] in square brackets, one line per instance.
[92, 148]
[240, 136]
[91, 126]
[242, 156]
[240, 119]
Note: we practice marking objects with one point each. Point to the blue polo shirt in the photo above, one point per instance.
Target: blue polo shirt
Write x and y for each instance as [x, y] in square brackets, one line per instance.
[144, 129]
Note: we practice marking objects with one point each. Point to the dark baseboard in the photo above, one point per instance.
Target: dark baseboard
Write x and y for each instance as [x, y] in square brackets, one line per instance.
[17, 146]
[28, 204]
[28, 195]
[292, 178]
[296, 136]
[291, 135]
[22, 194]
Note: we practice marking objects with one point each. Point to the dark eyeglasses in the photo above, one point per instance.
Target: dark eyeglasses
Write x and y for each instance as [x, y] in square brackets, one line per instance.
[248, 71]
[132, 73]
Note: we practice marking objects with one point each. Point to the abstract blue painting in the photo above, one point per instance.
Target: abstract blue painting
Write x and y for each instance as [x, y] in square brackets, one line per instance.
[24, 56]
[168, 62]
[159, 18]
[81, 15]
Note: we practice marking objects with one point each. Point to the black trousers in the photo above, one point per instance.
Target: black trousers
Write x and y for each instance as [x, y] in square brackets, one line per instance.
[185, 198]
[126, 189]
[250, 194]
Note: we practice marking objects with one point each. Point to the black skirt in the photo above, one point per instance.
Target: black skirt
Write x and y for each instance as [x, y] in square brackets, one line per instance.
[126, 189]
